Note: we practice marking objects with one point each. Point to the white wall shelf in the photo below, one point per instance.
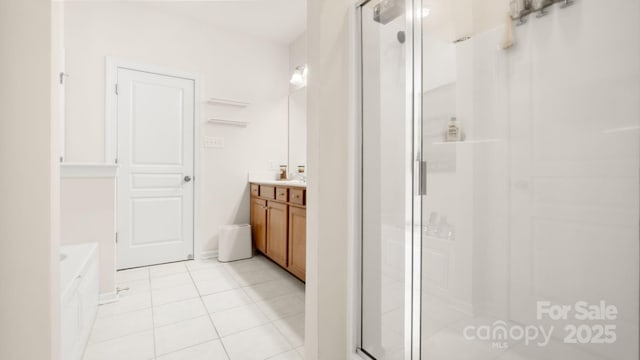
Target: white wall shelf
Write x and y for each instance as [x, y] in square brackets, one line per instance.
[225, 122]
[226, 102]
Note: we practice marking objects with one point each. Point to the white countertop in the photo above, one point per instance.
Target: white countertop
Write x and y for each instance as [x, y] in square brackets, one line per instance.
[293, 183]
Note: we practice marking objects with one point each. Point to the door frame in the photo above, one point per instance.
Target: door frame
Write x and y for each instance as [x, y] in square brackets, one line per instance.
[112, 64]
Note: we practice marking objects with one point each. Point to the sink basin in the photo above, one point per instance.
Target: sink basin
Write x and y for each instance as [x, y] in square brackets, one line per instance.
[62, 257]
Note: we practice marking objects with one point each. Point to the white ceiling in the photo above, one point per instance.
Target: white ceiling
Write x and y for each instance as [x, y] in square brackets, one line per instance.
[282, 21]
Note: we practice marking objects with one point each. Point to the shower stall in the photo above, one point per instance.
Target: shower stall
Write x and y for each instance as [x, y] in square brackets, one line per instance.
[500, 194]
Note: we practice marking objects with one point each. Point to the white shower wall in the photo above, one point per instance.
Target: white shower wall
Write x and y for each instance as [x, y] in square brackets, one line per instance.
[543, 192]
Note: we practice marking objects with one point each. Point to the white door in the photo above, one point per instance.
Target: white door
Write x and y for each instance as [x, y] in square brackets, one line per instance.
[156, 158]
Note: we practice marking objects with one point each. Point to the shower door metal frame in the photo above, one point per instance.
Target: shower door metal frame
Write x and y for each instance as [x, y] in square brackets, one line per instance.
[419, 179]
[414, 181]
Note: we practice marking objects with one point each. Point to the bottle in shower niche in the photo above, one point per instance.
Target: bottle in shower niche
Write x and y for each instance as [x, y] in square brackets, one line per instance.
[454, 133]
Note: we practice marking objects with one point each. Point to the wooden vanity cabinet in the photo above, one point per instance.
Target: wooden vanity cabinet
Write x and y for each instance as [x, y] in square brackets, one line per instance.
[255, 190]
[279, 225]
[298, 196]
[282, 194]
[277, 232]
[297, 263]
[259, 223]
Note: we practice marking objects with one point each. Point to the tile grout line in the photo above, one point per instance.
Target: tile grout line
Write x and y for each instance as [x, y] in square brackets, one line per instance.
[242, 289]
[253, 302]
[98, 318]
[293, 347]
[188, 271]
[188, 347]
[270, 321]
[176, 322]
[208, 314]
[124, 312]
[117, 337]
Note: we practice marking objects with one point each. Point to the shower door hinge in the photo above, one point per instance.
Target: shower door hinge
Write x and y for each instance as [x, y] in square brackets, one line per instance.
[422, 186]
[116, 237]
[116, 89]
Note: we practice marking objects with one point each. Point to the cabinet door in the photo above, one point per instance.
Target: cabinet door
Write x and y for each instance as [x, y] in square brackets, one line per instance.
[297, 242]
[277, 233]
[259, 224]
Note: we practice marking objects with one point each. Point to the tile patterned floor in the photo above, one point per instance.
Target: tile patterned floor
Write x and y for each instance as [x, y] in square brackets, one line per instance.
[243, 310]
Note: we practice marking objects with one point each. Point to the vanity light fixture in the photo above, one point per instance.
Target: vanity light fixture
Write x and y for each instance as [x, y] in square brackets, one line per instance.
[299, 77]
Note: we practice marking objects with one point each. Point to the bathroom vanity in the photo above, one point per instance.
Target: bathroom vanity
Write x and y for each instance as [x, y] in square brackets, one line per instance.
[279, 223]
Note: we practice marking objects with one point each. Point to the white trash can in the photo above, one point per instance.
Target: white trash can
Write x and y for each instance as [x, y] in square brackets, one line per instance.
[235, 243]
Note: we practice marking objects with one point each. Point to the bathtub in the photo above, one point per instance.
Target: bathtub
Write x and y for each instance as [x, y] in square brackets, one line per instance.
[79, 287]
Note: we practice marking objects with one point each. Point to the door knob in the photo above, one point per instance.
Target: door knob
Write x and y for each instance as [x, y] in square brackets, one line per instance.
[187, 178]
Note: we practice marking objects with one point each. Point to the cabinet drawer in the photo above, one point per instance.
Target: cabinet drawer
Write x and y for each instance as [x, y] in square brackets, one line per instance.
[297, 196]
[255, 190]
[281, 194]
[268, 192]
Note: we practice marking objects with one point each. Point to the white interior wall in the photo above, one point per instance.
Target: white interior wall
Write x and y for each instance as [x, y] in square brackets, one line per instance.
[230, 66]
[297, 107]
[29, 268]
[327, 333]
[297, 130]
[56, 117]
[297, 55]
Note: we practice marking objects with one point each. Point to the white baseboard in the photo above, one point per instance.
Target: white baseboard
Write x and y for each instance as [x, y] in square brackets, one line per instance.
[207, 255]
[107, 298]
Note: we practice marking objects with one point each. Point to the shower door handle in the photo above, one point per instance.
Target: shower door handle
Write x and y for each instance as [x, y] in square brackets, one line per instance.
[422, 182]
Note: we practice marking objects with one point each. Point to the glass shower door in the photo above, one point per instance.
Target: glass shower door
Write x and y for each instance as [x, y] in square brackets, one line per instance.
[530, 220]
[387, 179]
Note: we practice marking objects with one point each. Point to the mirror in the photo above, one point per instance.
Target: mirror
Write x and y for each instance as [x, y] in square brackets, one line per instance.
[297, 130]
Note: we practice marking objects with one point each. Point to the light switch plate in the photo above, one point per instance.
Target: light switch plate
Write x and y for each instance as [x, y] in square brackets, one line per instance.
[213, 142]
